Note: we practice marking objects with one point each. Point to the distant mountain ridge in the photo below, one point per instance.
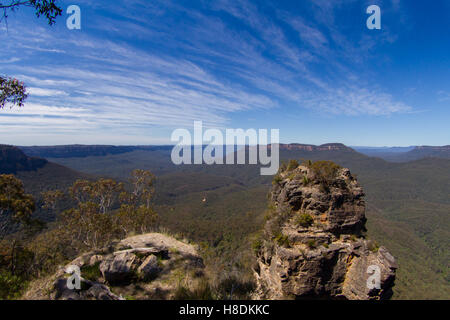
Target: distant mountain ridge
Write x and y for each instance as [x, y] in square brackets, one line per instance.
[37, 174]
[82, 151]
[433, 149]
[13, 160]
[311, 147]
[405, 154]
[391, 154]
[376, 150]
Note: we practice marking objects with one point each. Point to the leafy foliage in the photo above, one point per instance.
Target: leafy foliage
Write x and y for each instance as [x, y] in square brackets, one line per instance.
[93, 222]
[305, 180]
[305, 220]
[324, 170]
[276, 180]
[257, 244]
[50, 199]
[282, 240]
[47, 8]
[293, 164]
[12, 92]
[10, 285]
[15, 205]
[311, 244]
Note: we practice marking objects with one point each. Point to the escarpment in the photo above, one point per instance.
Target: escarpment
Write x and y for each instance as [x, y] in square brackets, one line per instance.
[313, 244]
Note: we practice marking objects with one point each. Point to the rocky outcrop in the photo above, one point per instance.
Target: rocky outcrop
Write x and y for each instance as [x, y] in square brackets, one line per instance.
[148, 266]
[313, 244]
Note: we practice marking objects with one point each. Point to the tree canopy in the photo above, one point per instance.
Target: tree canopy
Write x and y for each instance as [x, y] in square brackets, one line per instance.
[12, 92]
[46, 8]
[15, 205]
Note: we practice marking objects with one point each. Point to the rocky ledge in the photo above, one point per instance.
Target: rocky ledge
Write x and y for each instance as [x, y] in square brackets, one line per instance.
[313, 244]
[148, 266]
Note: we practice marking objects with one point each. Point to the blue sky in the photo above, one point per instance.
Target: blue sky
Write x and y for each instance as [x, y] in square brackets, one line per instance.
[139, 69]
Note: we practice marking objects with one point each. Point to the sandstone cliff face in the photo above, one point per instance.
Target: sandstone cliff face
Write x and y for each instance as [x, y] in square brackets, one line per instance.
[313, 245]
[148, 266]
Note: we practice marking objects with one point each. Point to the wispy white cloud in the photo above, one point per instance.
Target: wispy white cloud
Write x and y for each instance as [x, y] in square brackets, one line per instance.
[43, 92]
[170, 74]
[443, 95]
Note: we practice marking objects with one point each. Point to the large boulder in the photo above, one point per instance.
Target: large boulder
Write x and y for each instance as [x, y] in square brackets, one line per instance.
[118, 267]
[148, 266]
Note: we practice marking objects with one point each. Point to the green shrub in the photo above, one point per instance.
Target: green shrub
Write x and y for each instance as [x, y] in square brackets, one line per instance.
[182, 293]
[307, 163]
[202, 291]
[305, 220]
[277, 179]
[236, 286]
[293, 164]
[282, 240]
[311, 244]
[325, 172]
[91, 272]
[305, 180]
[11, 286]
[257, 245]
[373, 246]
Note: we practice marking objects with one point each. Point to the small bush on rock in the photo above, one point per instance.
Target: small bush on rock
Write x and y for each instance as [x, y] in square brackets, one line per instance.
[305, 220]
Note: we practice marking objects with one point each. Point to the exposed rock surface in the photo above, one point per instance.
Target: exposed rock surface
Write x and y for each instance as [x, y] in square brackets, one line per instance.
[313, 246]
[311, 147]
[148, 266]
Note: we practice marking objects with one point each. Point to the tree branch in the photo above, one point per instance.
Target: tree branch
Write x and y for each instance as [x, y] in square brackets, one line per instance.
[48, 8]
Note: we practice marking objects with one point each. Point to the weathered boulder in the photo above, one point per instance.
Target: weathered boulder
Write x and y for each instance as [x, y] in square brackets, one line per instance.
[99, 291]
[118, 268]
[89, 290]
[148, 266]
[313, 244]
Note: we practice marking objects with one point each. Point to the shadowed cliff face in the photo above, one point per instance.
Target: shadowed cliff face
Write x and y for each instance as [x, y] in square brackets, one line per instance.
[313, 244]
[12, 160]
